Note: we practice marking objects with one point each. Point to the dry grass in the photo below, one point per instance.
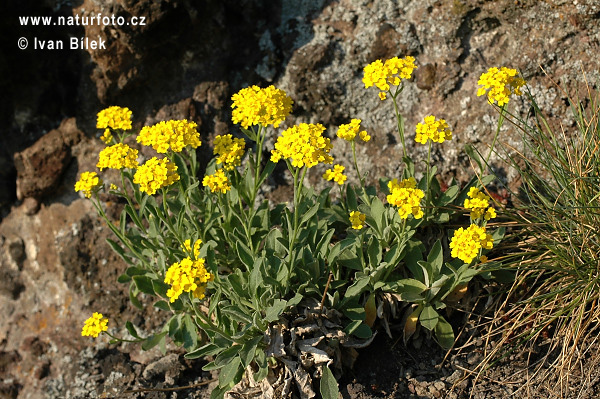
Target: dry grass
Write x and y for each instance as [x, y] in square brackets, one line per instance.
[554, 249]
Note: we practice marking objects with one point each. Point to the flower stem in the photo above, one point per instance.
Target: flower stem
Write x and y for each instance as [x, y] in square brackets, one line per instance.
[427, 194]
[362, 180]
[500, 123]
[399, 119]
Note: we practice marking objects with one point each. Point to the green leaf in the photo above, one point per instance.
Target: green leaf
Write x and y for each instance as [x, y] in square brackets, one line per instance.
[248, 350]
[410, 290]
[474, 155]
[135, 271]
[160, 288]
[328, 385]
[355, 290]
[377, 212]
[362, 331]
[153, 340]
[119, 250]
[429, 317]
[225, 357]
[436, 258]
[124, 278]
[269, 168]
[206, 350]
[163, 305]
[189, 332]
[444, 333]
[448, 196]
[129, 326]
[309, 214]
[238, 314]
[351, 198]
[263, 368]
[133, 291]
[219, 392]
[323, 244]
[414, 254]
[123, 220]
[229, 372]
[374, 252]
[273, 311]
[144, 284]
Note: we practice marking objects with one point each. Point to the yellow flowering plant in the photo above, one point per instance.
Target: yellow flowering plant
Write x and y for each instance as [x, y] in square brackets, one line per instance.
[254, 266]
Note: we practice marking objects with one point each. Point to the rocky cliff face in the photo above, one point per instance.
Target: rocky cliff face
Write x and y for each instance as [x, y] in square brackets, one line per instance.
[185, 63]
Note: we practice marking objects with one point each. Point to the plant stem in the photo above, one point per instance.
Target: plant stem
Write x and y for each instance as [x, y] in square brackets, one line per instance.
[428, 177]
[117, 232]
[362, 181]
[500, 123]
[399, 119]
[122, 339]
[325, 293]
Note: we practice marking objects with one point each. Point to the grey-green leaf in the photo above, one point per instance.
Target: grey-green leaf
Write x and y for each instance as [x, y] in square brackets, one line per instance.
[329, 386]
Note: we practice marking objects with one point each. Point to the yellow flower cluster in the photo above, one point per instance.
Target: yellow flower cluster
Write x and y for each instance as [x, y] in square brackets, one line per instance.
[174, 135]
[187, 246]
[94, 325]
[229, 150]
[357, 219]
[217, 182]
[154, 174]
[107, 137]
[114, 118]
[406, 197]
[349, 131]
[466, 243]
[501, 83]
[382, 75]
[477, 203]
[336, 174]
[256, 106]
[304, 145]
[118, 156]
[87, 182]
[434, 130]
[187, 276]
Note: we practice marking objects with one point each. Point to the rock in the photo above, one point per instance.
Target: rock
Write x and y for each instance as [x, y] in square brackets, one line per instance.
[40, 167]
[425, 77]
[167, 366]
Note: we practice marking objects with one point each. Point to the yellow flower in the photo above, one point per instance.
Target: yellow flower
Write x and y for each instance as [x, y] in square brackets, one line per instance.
[349, 131]
[87, 183]
[434, 130]
[336, 174]
[357, 219]
[187, 276]
[303, 145]
[256, 106]
[406, 197]
[217, 182]
[501, 83]
[107, 137]
[118, 156]
[187, 246]
[94, 325]
[477, 203]
[466, 243]
[113, 186]
[229, 150]
[173, 135]
[155, 174]
[392, 72]
[114, 118]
